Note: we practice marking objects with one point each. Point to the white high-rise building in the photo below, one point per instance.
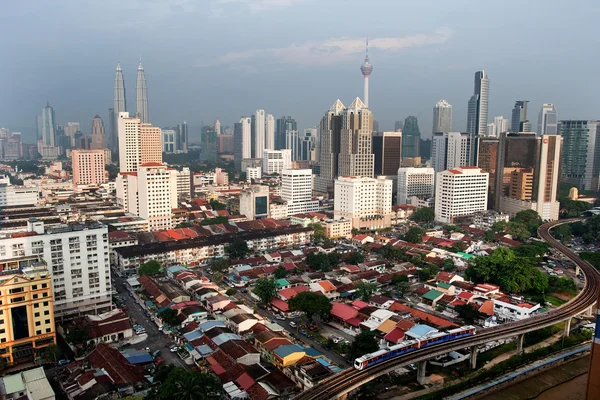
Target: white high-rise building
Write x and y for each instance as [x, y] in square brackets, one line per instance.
[138, 143]
[270, 132]
[218, 127]
[450, 150]
[442, 117]
[169, 140]
[242, 140]
[548, 120]
[460, 191]
[275, 161]
[258, 131]
[291, 142]
[253, 173]
[254, 202]
[500, 126]
[150, 193]
[356, 156]
[77, 258]
[17, 195]
[296, 190]
[184, 183]
[367, 202]
[477, 115]
[418, 182]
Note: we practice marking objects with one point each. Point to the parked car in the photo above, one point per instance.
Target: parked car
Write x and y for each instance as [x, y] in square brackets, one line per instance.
[159, 361]
[63, 362]
[293, 324]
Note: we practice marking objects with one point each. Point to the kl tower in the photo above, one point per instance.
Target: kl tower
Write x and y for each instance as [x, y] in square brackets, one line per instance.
[366, 68]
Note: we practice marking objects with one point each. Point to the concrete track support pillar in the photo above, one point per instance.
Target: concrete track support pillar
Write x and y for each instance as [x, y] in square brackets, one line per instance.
[567, 327]
[589, 312]
[473, 358]
[421, 372]
[343, 396]
[520, 343]
[577, 270]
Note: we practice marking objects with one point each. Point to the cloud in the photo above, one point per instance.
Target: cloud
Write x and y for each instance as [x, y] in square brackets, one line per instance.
[259, 5]
[329, 52]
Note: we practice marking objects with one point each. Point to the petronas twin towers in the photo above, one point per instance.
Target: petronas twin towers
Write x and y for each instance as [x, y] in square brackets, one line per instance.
[120, 100]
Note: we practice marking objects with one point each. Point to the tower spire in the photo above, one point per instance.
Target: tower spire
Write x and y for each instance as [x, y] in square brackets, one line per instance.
[366, 68]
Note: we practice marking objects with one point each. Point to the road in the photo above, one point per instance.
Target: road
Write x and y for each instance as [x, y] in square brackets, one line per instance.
[156, 339]
[331, 355]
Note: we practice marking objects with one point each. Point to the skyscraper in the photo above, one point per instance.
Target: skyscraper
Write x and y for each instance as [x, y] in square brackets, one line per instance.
[329, 133]
[366, 68]
[141, 95]
[387, 150]
[242, 139]
[356, 141]
[98, 137]
[442, 117]
[71, 130]
[500, 125]
[527, 174]
[487, 161]
[218, 127]
[460, 191]
[182, 137]
[119, 106]
[411, 137]
[477, 115]
[258, 133]
[519, 122]
[139, 143]
[547, 120]
[398, 125]
[450, 150]
[47, 127]
[270, 132]
[283, 125]
[581, 153]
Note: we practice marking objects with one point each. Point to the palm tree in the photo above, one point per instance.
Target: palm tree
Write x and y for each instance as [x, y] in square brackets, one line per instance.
[191, 388]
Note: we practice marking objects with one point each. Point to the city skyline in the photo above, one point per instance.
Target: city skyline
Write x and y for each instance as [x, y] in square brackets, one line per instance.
[329, 57]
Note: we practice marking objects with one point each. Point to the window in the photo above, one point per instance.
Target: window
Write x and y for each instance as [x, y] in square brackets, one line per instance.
[45, 304]
[44, 285]
[38, 332]
[47, 321]
[37, 314]
[37, 323]
[48, 330]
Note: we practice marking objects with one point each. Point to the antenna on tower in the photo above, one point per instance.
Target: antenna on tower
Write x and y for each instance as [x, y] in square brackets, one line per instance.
[367, 45]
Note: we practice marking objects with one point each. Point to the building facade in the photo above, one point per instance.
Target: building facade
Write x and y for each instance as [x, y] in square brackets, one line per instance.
[367, 202]
[254, 202]
[296, 190]
[387, 152]
[242, 138]
[411, 138]
[356, 141]
[450, 150]
[275, 161]
[329, 133]
[460, 192]
[548, 120]
[442, 117]
[519, 121]
[11, 195]
[581, 153]
[418, 182]
[477, 114]
[98, 138]
[139, 143]
[141, 95]
[88, 167]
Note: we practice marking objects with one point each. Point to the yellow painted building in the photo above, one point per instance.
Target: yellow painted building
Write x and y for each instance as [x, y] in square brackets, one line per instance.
[26, 308]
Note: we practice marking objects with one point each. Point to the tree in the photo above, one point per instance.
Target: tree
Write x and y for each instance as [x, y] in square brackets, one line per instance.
[183, 225]
[217, 277]
[414, 235]
[425, 215]
[231, 292]
[238, 248]
[318, 233]
[592, 257]
[183, 384]
[112, 170]
[573, 208]
[428, 272]
[169, 316]
[399, 278]
[490, 236]
[562, 232]
[534, 249]
[77, 335]
[280, 273]
[214, 221]
[311, 304]
[150, 268]
[354, 231]
[321, 261]
[469, 313]
[365, 290]
[562, 285]
[220, 265]
[449, 265]
[265, 289]
[355, 258]
[215, 205]
[530, 218]
[51, 352]
[364, 343]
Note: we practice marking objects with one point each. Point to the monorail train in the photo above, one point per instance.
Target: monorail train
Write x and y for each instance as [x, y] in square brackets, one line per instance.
[407, 346]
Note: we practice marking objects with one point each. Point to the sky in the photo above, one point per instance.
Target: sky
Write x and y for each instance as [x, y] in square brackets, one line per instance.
[223, 59]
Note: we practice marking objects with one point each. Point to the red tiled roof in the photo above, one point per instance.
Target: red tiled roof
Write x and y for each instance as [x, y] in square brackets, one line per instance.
[429, 318]
[117, 366]
[245, 381]
[445, 277]
[280, 304]
[275, 343]
[405, 324]
[356, 320]
[152, 164]
[395, 335]
[257, 392]
[487, 307]
[358, 304]
[343, 311]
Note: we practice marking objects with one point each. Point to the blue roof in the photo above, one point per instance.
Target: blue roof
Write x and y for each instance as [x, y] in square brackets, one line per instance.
[176, 268]
[312, 352]
[323, 362]
[204, 350]
[149, 304]
[243, 267]
[189, 347]
[205, 326]
[335, 369]
[165, 308]
[287, 349]
[225, 337]
[420, 330]
[137, 356]
[193, 335]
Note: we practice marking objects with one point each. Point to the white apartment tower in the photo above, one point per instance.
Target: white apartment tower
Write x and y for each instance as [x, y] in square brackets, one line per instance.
[150, 193]
[138, 143]
[548, 120]
[356, 140]
[258, 131]
[77, 258]
[460, 191]
[296, 190]
[442, 117]
[450, 150]
[275, 161]
[418, 182]
[270, 132]
[367, 202]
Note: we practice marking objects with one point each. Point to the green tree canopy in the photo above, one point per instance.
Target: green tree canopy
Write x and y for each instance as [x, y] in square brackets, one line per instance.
[169, 316]
[265, 289]
[214, 221]
[319, 232]
[231, 292]
[150, 268]
[414, 235]
[51, 352]
[562, 232]
[428, 272]
[311, 304]
[364, 343]
[365, 290]
[512, 273]
[322, 262]
[469, 313]
[490, 236]
[77, 335]
[217, 205]
[535, 249]
[449, 265]
[425, 215]
[355, 258]
[220, 265]
[530, 218]
[280, 272]
[573, 208]
[184, 384]
[238, 248]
